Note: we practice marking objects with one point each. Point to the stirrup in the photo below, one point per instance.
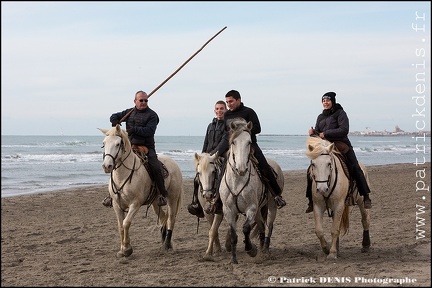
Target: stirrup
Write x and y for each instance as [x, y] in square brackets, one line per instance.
[280, 202]
[367, 203]
[196, 210]
[107, 202]
[309, 208]
[349, 200]
[162, 200]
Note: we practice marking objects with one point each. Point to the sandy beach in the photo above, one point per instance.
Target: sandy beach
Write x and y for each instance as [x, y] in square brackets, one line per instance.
[68, 238]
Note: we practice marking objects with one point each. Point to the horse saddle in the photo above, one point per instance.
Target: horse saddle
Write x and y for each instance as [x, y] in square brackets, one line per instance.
[349, 201]
[141, 152]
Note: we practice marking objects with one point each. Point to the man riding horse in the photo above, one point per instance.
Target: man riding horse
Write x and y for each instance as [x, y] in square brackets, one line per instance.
[238, 110]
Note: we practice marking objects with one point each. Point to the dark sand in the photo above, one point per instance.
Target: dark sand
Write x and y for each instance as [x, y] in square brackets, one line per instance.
[68, 238]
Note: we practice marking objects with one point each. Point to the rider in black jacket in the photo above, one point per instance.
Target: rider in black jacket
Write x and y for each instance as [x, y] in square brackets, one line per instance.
[141, 126]
[333, 125]
[215, 131]
[238, 110]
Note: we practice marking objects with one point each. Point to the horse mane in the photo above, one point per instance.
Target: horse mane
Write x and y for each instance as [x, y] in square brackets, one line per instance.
[203, 161]
[237, 126]
[317, 146]
[117, 131]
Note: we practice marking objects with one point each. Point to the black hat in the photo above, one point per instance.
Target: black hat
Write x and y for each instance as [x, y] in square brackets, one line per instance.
[331, 96]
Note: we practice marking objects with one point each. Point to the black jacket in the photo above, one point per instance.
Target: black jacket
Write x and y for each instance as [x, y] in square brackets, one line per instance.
[334, 123]
[247, 114]
[214, 133]
[142, 123]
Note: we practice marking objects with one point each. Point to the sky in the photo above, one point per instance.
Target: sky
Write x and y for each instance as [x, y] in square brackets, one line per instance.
[67, 66]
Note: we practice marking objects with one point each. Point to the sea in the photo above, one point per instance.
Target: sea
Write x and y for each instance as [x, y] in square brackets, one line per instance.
[35, 164]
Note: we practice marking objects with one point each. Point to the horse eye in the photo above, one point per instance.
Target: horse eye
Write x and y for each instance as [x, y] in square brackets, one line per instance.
[103, 146]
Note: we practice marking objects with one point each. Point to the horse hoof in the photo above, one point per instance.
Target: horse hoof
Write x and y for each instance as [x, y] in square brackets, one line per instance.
[332, 256]
[252, 252]
[208, 258]
[128, 252]
[265, 250]
[167, 246]
[125, 253]
[365, 249]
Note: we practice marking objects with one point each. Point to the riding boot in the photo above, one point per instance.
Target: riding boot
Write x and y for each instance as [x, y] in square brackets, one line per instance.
[309, 192]
[216, 207]
[107, 202]
[195, 207]
[274, 186]
[160, 184]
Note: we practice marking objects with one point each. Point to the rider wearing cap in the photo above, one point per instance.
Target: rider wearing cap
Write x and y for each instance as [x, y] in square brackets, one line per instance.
[333, 125]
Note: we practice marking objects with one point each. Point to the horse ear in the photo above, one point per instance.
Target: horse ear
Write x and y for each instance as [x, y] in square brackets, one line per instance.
[104, 131]
[232, 125]
[249, 125]
[310, 147]
[196, 156]
[331, 147]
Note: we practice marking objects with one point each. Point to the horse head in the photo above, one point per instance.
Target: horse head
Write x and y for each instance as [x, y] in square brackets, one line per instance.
[115, 146]
[240, 146]
[322, 163]
[206, 166]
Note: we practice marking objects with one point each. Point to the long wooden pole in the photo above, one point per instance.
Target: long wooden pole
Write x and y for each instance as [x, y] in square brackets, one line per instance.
[175, 72]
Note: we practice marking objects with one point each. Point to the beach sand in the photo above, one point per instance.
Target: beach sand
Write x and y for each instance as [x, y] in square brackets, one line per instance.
[68, 238]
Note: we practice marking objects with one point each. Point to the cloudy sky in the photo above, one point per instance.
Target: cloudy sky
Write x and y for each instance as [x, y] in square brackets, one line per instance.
[67, 66]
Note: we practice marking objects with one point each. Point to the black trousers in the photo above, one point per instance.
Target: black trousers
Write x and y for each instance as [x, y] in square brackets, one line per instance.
[356, 171]
[265, 169]
[156, 170]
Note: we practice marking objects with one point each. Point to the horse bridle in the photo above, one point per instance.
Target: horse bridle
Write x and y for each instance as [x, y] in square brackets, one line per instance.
[213, 188]
[328, 181]
[233, 155]
[234, 170]
[117, 154]
[133, 169]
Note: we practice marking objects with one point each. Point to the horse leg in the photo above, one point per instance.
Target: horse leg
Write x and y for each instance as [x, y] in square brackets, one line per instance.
[319, 231]
[163, 233]
[250, 248]
[271, 216]
[167, 244]
[261, 238]
[365, 223]
[228, 241]
[126, 248]
[213, 244]
[215, 233]
[231, 219]
[335, 232]
[233, 244]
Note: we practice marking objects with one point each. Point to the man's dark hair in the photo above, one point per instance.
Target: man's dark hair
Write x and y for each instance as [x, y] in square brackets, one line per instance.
[233, 93]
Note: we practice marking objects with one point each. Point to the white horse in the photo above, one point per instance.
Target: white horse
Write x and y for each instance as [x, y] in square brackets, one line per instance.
[242, 191]
[330, 186]
[206, 166]
[130, 187]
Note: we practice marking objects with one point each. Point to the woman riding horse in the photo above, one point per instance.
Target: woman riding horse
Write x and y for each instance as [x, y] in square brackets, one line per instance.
[333, 125]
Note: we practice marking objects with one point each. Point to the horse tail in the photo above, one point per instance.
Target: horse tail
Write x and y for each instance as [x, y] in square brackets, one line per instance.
[164, 220]
[344, 226]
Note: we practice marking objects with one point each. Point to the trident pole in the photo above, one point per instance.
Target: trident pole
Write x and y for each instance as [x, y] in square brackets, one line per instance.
[175, 72]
